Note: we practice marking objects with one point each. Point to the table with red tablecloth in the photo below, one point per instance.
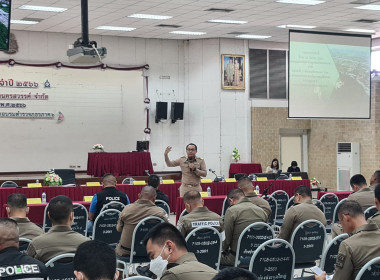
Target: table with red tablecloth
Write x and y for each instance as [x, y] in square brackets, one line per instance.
[340, 194]
[213, 203]
[246, 168]
[119, 164]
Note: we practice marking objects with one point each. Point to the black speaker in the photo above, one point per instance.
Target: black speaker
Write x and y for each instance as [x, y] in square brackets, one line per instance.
[161, 111]
[177, 111]
[142, 146]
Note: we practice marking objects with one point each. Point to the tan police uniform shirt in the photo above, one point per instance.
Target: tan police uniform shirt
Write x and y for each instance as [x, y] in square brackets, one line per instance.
[375, 219]
[355, 251]
[188, 268]
[364, 196]
[27, 229]
[297, 214]
[190, 179]
[130, 217]
[58, 240]
[261, 202]
[198, 217]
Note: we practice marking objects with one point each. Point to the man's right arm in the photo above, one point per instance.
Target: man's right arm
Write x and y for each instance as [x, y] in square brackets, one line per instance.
[287, 225]
[120, 223]
[170, 163]
[92, 210]
[228, 229]
[343, 265]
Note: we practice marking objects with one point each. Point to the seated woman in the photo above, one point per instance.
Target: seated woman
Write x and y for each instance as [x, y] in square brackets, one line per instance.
[273, 168]
[294, 167]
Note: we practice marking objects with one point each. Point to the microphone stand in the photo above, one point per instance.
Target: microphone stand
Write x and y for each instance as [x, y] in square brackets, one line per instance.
[265, 192]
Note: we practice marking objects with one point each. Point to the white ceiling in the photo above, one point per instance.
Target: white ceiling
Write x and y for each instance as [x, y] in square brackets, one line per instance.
[262, 15]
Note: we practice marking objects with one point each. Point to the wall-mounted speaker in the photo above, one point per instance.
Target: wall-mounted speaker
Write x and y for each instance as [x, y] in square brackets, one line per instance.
[161, 111]
[177, 111]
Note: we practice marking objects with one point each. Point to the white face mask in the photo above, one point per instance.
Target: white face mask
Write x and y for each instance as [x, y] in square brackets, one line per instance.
[158, 265]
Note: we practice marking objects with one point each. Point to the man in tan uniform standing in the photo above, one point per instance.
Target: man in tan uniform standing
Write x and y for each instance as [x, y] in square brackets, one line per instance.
[165, 241]
[302, 210]
[239, 215]
[245, 184]
[362, 245]
[198, 215]
[133, 214]
[192, 167]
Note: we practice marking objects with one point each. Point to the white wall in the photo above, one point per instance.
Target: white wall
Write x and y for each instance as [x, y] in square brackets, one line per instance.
[216, 120]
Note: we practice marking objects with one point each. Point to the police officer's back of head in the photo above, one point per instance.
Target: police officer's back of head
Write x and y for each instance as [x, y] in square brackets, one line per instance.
[60, 210]
[8, 233]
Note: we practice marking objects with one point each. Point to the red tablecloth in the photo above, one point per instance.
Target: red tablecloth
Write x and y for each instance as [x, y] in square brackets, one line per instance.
[213, 203]
[120, 164]
[246, 168]
[340, 194]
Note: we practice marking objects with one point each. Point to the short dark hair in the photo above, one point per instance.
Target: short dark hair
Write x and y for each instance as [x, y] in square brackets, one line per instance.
[235, 193]
[16, 200]
[165, 231]
[11, 229]
[97, 260]
[358, 179]
[234, 273]
[351, 208]
[303, 191]
[272, 166]
[108, 177]
[294, 163]
[192, 144]
[153, 181]
[244, 182]
[192, 196]
[377, 175]
[60, 208]
[377, 192]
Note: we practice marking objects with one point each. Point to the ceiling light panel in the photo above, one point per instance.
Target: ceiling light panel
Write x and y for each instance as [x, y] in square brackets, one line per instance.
[147, 16]
[301, 2]
[249, 36]
[115, 28]
[369, 7]
[227, 21]
[188, 33]
[30, 22]
[42, 8]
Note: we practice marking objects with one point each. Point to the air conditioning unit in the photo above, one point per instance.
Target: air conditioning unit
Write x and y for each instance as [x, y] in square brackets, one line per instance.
[348, 163]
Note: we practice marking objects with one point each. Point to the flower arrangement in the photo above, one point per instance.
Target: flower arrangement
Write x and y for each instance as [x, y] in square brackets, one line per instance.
[98, 148]
[235, 154]
[314, 182]
[52, 179]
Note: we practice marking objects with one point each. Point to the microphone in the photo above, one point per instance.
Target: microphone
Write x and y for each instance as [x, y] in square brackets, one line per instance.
[217, 178]
[212, 171]
[147, 172]
[265, 192]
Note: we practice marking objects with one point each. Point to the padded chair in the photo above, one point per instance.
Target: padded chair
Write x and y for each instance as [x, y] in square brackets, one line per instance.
[336, 211]
[370, 271]
[46, 222]
[9, 184]
[369, 212]
[113, 205]
[23, 244]
[319, 204]
[67, 176]
[206, 244]
[138, 250]
[162, 204]
[273, 205]
[249, 240]
[225, 206]
[329, 200]
[308, 240]
[282, 199]
[61, 267]
[272, 259]
[183, 213]
[329, 255]
[137, 278]
[128, 181]
[105, 227]
[80, 219]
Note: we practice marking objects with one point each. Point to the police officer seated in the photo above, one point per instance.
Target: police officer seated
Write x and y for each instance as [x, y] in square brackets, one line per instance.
[154, 181]
[14, 264]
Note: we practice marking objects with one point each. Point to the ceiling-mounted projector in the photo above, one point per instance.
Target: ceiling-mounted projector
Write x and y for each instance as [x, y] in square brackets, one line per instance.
[86, 55]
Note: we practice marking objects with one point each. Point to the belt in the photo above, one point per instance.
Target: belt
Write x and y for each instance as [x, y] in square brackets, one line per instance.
[191, 185]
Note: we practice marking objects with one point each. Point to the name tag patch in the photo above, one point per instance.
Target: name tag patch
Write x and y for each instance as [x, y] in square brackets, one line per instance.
[19, 269]
[205, 223]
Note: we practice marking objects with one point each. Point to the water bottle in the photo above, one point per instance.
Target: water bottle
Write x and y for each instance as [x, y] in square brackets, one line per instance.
[161, 180]
[257, 189]
[43, 198]
[37, 181]
[208, 191]
[290, 176]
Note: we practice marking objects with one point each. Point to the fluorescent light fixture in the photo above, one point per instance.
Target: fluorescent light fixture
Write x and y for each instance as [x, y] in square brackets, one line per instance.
[369, 7]
[187, 33]
[42, 8]
[115, 28]
[296, 26]
[301, 2]
[227, 21]
[376, 48]
[248, 36]
[16, 21]
[147, 16]
[361, 30]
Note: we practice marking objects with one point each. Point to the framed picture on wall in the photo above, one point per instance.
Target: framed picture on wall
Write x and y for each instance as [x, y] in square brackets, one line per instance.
[233, 71]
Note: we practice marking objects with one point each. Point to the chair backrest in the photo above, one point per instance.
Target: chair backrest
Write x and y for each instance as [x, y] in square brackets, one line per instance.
[183, 213]
[105, 227]
[369, 212]
[137, 278]
[162, 204]
[329, 200]
[370, 271]
[138, 250]
[46, 222]
[23, 244]
[113, 205]
[9, 184]
[273, 206]
[329, 255]
[61, 267]
[80, 219]
[206, 243]
[282, 199]
[128, 181]
[225, 206]
[67, 176]
[290, 202]
[274, 259]
[249, 240]
[319, 204]
[308, 240]
[336, 211]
